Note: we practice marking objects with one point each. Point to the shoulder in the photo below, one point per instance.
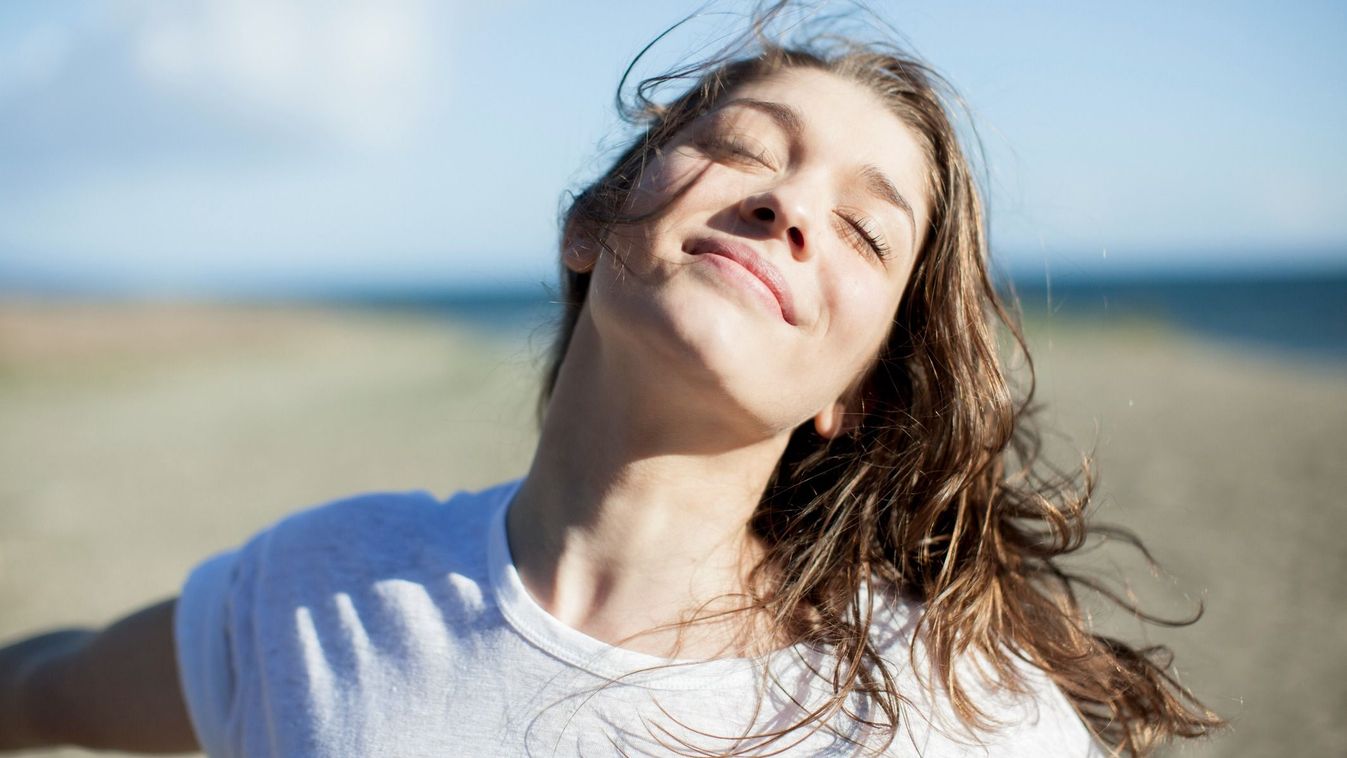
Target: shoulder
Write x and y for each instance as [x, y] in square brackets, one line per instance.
[352, 542]
[1030, 717]
[368, 529]
[350, 519]
[353, 517]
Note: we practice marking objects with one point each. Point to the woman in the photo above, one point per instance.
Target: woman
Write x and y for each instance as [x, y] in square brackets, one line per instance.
[770, 509]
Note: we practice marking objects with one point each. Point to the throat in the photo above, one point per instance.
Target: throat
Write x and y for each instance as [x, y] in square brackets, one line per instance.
[664, 586]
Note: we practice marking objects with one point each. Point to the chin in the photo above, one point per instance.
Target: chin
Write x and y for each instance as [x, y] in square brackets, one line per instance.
[699, 345]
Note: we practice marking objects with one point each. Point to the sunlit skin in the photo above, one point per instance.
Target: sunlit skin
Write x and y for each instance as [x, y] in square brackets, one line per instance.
[687, 374]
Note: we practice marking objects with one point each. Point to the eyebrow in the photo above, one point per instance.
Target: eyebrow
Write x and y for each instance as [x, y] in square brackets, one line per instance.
[879, 185]
[785, 116]
[790, 121]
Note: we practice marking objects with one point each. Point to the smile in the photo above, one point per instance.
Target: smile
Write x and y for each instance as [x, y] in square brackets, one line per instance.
[737, 259]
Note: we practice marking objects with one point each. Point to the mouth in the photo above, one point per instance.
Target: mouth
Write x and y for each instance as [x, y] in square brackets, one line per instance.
[756, 265]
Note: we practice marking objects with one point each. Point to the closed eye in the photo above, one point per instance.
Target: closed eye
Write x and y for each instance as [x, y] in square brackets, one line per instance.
[738, 148]
[862, 232]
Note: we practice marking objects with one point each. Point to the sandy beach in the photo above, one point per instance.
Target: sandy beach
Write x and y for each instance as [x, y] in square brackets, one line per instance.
[136, 440]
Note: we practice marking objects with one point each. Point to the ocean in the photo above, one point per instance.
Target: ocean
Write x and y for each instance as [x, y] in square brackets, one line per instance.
[1301, 316]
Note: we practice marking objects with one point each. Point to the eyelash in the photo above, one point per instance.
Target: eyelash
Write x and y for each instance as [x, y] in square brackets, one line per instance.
[862, 229]
[733, 145]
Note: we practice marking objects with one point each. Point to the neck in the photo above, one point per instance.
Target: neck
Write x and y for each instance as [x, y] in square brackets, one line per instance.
[634, 515]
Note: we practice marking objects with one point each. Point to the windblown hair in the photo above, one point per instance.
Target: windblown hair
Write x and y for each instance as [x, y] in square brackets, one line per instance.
[938, 495]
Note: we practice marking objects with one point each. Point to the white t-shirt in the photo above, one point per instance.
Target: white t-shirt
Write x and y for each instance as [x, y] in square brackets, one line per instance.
[396, 625]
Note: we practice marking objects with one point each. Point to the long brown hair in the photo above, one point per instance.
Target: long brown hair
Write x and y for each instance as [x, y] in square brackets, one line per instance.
[938, 494]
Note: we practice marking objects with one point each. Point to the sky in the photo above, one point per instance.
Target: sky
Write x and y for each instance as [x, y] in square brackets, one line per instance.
[243, 146]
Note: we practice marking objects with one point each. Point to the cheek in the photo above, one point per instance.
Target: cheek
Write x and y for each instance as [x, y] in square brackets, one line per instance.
[662, 179]
[863, 307]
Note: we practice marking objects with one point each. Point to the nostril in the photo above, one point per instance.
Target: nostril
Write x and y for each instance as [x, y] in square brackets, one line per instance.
[796, 236]
[764, 214]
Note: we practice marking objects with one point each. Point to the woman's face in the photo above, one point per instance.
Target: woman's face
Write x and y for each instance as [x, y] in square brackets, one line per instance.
[770, 283]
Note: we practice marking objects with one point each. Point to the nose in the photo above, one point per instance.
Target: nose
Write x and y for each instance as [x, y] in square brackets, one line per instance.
[779, 216]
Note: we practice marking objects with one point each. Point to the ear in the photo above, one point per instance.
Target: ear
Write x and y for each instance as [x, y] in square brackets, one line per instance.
[835, 420]
[579, 253]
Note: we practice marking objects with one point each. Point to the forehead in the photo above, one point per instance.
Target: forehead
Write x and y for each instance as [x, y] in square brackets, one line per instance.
[845, 123]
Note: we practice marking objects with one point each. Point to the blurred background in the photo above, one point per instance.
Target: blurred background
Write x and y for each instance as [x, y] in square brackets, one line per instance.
[258, 254]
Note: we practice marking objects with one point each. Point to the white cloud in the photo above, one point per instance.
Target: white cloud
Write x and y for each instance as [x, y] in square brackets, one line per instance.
[358, 70]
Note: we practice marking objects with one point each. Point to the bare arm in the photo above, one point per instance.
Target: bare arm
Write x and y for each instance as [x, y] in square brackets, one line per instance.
[114, 689]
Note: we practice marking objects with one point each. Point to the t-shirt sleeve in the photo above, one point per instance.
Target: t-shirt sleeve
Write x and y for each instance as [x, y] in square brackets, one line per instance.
[201, 633]
[234, 625]
[1054, 728]
[1035, 720]
[1040, 723]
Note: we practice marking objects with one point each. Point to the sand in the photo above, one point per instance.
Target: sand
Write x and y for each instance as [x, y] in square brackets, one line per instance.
[137, 439]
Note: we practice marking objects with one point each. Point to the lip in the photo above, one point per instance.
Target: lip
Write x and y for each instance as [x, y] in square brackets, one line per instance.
[755, 264]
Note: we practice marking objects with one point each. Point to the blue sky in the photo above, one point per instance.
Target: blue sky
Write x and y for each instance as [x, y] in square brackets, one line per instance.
[261, 145]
